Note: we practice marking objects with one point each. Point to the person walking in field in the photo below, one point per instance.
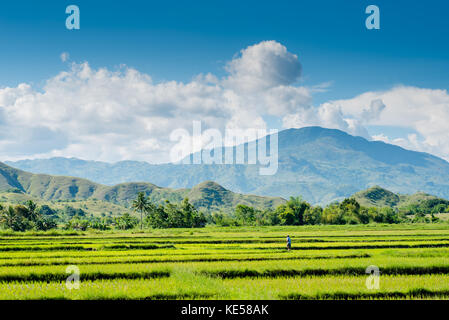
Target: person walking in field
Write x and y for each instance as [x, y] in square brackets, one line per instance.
[289, 243]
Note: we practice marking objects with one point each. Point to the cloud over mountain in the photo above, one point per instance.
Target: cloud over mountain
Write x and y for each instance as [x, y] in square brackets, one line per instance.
[113, 115]
[423, 111]
[122, 114]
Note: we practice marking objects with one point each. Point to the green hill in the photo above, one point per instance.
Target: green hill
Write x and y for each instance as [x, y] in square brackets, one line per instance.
[16, 184]
[380, 197]
[377, 197]
[209, 194]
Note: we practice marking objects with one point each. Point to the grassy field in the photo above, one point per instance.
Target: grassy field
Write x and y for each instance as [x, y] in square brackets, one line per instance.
[326, 262]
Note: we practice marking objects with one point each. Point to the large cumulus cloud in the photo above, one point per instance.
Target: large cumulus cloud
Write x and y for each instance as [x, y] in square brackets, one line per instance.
[121, 114]
[263, 66]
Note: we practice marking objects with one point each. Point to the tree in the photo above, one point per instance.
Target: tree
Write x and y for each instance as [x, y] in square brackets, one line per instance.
[72, 212]
[174, 214]
[351, 211]
[367, 215]
[7, 217]
[292, 212]
[141, 205]
[12, 219]
[389, 215]
[77, 224]
[192, 218]
[434, 219]
[45, 210]
[286, 215]
[32, 210]
[22, 211]
[270, 217]
[170, 215]
[44, 223]
[332, 214]
[313, 215]
[420, 217]
[126, 221]
[158, 218]
[245, 214]
[439, 208]
[223, 219]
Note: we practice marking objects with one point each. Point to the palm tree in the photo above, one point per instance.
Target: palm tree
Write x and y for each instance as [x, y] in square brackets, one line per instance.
[32, 210]
[8, 217]
[141, 205]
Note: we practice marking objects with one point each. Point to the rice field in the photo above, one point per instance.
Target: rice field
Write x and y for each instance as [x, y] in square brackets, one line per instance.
[326, 262]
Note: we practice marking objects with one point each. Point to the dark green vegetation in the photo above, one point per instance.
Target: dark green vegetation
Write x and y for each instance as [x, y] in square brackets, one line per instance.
[383, 206]
[326, 262]
[22, 218]
[184, 214]
[320, 164]
[349, 211]
[42, 218]
[169, 215]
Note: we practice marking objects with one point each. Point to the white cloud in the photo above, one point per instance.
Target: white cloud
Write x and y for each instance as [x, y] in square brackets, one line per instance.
[425, 111]
[114, 115]
[327, 115]
[262, 66]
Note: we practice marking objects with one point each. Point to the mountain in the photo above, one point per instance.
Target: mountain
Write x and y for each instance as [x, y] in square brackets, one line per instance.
[207, 195]
[321, 165]
[380, 197]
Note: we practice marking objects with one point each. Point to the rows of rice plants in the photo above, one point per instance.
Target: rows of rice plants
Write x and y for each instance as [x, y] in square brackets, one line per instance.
[326, 262]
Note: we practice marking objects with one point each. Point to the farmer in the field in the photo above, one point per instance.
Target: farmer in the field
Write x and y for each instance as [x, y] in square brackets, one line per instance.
[289, 243]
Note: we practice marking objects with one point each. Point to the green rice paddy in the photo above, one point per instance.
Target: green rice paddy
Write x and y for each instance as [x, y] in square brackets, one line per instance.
[326, 262]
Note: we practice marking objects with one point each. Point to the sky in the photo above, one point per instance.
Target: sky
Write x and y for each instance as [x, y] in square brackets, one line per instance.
[136, 71]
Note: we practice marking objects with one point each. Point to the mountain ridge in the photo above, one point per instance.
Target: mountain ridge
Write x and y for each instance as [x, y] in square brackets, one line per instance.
[48, 187]
[322, 165]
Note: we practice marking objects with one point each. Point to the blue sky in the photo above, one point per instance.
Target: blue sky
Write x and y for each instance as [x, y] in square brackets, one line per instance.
[177, 40]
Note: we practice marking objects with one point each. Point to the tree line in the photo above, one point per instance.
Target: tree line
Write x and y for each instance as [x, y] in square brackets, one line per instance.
[26, 217]
[168, 215]
[295, 211]
[298, 212]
